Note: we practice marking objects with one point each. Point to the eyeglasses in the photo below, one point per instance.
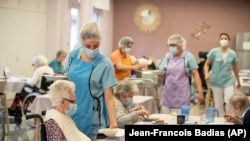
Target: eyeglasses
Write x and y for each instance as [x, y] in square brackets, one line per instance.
[172, 45]
[71, 101]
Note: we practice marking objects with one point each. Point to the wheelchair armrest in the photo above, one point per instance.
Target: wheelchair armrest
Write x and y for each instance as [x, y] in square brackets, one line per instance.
[34, 116]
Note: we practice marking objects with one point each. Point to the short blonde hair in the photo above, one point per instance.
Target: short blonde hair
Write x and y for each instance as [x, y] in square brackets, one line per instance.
[61, 89]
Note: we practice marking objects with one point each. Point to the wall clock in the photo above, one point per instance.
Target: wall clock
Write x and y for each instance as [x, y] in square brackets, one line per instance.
[147, 17]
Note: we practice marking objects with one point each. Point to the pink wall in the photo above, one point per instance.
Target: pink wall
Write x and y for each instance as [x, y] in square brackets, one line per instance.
[182, 16]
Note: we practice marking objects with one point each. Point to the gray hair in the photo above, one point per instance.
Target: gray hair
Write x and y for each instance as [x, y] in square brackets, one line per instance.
[240, 99]
[125, 41]
[124, 88]
[180, 40]
[61, 89]
[90, 30]
[40, 60]
[60, 52]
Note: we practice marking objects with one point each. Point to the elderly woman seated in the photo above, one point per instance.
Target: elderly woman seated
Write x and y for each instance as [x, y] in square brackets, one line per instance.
[240, 104]
[33, 84]
[58, 123]
[124, 93]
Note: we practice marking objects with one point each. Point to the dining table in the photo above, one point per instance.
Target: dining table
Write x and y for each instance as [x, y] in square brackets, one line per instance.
[171, 119]
[9, 85]
[13, 84]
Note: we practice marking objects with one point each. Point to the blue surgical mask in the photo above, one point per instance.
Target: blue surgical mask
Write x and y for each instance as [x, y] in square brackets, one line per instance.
[91, 53]
[128, 102]
[72, 110]
[127, 50]
[173, 50]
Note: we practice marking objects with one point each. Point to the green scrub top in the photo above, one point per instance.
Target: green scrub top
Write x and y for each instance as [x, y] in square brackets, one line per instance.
[221, 74]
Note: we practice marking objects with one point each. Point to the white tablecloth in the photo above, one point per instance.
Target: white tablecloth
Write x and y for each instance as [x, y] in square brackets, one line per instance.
[43, 102]
[13, 84]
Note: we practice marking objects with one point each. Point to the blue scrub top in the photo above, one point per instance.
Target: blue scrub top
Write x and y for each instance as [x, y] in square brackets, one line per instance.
[87, 118]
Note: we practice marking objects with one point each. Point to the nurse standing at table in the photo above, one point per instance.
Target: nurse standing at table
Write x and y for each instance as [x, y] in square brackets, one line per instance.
[180, 66]
[93, 75]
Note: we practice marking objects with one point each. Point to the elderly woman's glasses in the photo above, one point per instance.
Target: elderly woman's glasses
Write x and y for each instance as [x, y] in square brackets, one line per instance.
[172, 45]
[71, 101]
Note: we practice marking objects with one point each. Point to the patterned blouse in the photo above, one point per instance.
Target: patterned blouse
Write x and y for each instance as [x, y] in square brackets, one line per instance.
[53, 131]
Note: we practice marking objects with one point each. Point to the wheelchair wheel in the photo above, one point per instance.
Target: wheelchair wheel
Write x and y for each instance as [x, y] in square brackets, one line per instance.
[26, 110]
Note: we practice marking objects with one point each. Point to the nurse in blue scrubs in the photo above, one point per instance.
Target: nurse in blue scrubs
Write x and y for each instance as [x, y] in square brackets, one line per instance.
[94, 77]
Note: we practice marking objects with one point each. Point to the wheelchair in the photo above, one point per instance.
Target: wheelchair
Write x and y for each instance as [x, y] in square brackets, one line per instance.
[40, 134]
[29, 95]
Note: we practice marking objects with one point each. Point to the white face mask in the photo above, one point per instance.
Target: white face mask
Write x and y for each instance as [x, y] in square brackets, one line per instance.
[127, 50]
[224, 43]
[173, 50]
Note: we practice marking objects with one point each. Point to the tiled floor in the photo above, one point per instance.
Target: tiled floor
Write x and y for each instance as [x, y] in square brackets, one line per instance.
[21, 133]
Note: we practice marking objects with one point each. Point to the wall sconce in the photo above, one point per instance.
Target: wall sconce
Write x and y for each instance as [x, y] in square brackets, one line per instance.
[201, 29]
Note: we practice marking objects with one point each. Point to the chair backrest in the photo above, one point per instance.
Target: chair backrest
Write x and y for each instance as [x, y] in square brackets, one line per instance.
[45, 83]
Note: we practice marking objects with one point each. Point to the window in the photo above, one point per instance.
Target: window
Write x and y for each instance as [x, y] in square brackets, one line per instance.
[74, 30]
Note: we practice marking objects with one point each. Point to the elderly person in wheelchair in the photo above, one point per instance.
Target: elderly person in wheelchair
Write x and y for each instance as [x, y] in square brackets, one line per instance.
[58, 122]
[34, 86]
[41, 67]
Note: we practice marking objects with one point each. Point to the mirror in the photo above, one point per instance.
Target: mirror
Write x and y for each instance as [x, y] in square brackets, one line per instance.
[147, 17]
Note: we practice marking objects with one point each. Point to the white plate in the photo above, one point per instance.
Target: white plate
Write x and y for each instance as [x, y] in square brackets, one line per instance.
[55, 77]
[154, 122]
[151, 118]
[117, 133]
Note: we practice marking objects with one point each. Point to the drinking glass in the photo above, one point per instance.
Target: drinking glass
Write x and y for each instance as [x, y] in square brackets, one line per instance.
[203, 119]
